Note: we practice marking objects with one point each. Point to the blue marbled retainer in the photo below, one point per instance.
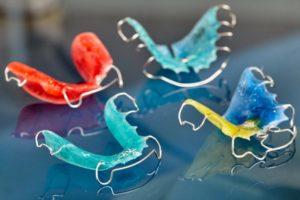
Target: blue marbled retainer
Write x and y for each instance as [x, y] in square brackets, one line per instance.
[253, 101]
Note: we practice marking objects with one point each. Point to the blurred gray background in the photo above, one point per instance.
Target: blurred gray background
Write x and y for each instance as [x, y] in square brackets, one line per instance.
[258, 20]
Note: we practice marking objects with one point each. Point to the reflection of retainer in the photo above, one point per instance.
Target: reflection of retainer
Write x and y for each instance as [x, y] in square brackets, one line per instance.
[264, 164]
[231, 23]
[152, 174]
[21, 83]
[54, 196]
[157, 152]
[70, 132]
[82, 132]
[223, 124]
[153, 97]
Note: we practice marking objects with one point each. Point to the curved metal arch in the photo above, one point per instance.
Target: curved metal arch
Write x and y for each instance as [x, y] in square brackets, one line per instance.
[158, 154]
[79, 102]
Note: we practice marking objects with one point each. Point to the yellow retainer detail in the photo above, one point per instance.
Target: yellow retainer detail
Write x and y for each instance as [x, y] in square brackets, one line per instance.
[244, 131]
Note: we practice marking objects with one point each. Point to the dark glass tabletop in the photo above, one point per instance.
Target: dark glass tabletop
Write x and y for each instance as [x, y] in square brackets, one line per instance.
[195, 165]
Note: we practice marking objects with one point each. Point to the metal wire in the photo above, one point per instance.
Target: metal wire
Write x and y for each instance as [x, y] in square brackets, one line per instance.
[158, 154]
[8, 78]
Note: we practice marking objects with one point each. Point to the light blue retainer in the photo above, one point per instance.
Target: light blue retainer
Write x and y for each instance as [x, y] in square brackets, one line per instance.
[196, 51]
[127, 136]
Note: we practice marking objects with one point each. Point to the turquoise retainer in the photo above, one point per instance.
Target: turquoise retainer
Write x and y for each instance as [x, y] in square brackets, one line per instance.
[133, 144]
[196, 51]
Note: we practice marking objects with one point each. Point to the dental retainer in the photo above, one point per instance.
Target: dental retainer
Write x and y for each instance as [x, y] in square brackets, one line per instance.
[253, 113]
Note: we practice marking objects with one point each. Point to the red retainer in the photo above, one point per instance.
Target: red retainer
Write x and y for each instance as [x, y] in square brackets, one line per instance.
[92, 61]
[90, 57]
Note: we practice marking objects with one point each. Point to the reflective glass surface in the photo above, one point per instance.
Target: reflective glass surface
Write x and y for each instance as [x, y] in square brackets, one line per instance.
[195, 165]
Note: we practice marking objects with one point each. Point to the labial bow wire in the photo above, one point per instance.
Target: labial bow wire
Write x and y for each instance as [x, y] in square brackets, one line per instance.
[92, 61]
[253, 113]
[192, 54]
